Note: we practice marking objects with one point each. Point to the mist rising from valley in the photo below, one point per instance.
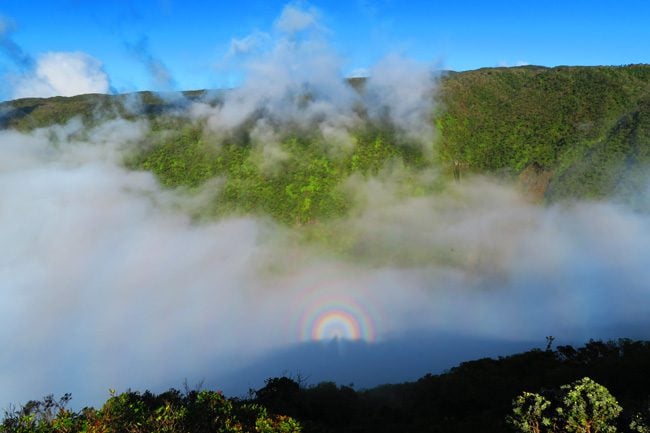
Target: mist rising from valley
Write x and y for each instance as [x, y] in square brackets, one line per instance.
[112, 279]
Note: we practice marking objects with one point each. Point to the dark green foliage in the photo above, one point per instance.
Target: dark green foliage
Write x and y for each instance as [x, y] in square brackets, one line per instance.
[478, 395]
[586, 124]
[46, 416]
[31, 113]
[475, 396]
[531, 413]
[323, 406]
[497, 119]
[280, 395]
[614, 166]
[581, 407]
[133, 412]
[588, 407]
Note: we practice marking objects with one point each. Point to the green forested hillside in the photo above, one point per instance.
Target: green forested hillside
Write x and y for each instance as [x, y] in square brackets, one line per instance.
[586, 126]
[565, 132]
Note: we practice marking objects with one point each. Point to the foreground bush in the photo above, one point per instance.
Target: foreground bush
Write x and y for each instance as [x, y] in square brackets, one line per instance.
[581, 407]
[133, 412]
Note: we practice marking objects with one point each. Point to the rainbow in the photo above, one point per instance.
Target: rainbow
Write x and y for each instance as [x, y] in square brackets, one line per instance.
[342, 318]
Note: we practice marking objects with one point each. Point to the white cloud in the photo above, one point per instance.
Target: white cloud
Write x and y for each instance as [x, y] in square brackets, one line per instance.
[248, 44]
[281, 69]
[63, 74]
[294, 19]
[103, 273]
[278, 74]
[403, 89]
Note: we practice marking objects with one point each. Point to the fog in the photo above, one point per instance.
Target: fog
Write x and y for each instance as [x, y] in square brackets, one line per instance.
[108, 281]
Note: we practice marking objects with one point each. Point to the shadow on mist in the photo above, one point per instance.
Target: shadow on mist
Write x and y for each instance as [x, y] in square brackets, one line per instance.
[363, 364]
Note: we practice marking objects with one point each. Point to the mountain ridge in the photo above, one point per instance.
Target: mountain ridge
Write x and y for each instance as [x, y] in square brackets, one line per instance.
[567, 132]
[560, 134]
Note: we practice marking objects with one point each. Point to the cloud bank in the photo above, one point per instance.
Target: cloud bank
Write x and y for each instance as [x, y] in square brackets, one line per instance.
[292, 76]
[107, 281]
[62, 74]
[51, 73]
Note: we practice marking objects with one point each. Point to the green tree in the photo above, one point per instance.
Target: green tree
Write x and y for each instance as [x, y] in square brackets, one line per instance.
[588, 407]
[639, 424]
[531, 413]
[280, 395]
[584, 406]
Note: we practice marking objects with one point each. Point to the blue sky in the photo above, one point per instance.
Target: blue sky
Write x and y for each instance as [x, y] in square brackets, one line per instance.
[190, 39]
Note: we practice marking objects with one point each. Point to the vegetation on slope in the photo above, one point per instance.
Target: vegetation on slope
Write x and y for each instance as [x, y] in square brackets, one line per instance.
[598, 387]
[306, 185]
[30, 113]
[587, 125]
[572, 132]
[585, 130]
[134, 412]
[476, 395]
